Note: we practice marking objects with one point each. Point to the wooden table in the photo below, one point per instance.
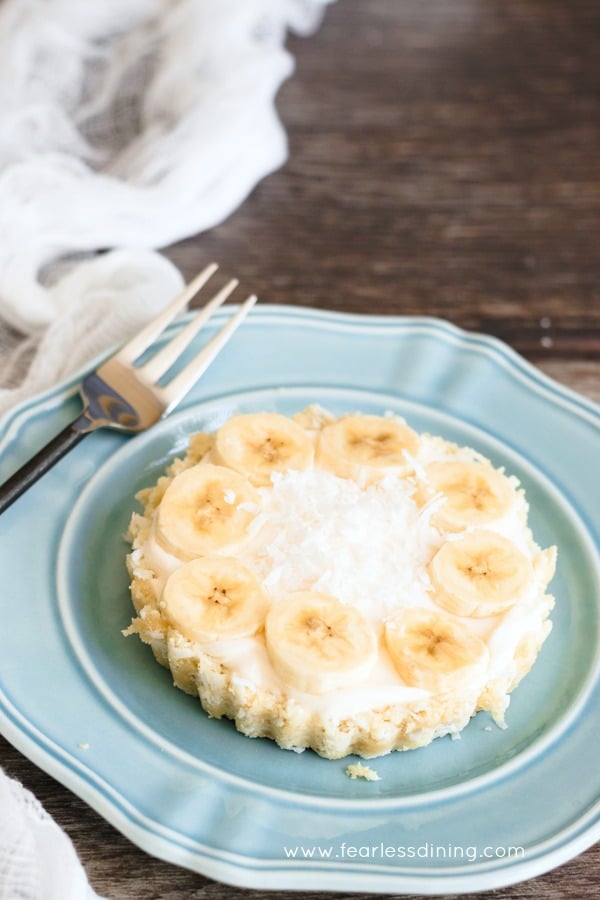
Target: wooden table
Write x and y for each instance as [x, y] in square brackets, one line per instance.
[443, 162]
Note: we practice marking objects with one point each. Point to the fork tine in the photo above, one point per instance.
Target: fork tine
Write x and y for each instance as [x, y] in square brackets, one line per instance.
[185, 380]
[162, 361]
[141, 341]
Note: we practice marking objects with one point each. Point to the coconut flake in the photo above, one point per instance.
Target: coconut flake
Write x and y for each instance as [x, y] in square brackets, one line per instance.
[368, 546]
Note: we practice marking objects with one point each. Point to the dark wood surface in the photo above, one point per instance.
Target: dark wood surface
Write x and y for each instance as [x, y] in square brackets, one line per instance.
[444, 161]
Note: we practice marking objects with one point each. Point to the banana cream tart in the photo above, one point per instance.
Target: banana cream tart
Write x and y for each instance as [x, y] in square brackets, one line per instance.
[339, 583]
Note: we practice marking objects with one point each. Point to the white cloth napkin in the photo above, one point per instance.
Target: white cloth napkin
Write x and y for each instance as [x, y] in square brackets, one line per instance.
[37, 859]
[124, 127]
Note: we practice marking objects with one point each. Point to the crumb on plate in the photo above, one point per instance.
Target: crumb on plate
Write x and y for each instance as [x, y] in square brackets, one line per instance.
[357, 770]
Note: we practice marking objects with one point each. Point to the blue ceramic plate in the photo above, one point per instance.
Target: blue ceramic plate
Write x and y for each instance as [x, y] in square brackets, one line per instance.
[97, 712]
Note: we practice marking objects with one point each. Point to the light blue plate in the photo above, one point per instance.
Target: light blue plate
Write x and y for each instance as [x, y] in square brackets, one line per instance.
[96, 711]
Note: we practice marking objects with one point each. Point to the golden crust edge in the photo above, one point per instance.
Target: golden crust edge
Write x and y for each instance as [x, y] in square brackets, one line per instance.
[370, 733]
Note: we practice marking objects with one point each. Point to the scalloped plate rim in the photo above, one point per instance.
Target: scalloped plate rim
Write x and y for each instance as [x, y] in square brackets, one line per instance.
[426, 881]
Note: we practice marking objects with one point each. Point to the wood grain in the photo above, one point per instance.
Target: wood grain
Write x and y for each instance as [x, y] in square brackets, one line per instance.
[443, 161]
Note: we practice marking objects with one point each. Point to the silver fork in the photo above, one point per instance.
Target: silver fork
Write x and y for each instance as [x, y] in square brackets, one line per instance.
[124, 395]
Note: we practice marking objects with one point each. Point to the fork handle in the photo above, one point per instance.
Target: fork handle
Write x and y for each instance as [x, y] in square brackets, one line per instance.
[29, 473]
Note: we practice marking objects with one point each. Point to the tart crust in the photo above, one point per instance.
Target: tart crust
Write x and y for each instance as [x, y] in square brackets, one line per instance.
[261, 712]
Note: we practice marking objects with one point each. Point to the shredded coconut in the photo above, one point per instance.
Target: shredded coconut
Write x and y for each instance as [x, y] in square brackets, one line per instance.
[366, 546]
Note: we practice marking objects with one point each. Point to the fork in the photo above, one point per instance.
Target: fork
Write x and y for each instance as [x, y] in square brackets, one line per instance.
[128, 396]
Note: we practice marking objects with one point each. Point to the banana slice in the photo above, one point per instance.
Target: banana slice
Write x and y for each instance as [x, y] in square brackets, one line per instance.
[433, 651]
[366, 447]
[316, 643]
[214, 598]
[480, 574]
[257, 444]
[476, 494]
[200, 513]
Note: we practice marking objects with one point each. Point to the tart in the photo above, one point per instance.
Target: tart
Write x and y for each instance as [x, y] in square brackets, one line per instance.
[343, 584]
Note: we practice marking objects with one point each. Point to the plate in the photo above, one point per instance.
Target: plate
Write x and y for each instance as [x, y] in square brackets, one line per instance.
[94, 709]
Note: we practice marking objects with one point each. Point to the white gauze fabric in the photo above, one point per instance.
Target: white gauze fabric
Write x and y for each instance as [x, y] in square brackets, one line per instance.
[129, 126]
[37, 859]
